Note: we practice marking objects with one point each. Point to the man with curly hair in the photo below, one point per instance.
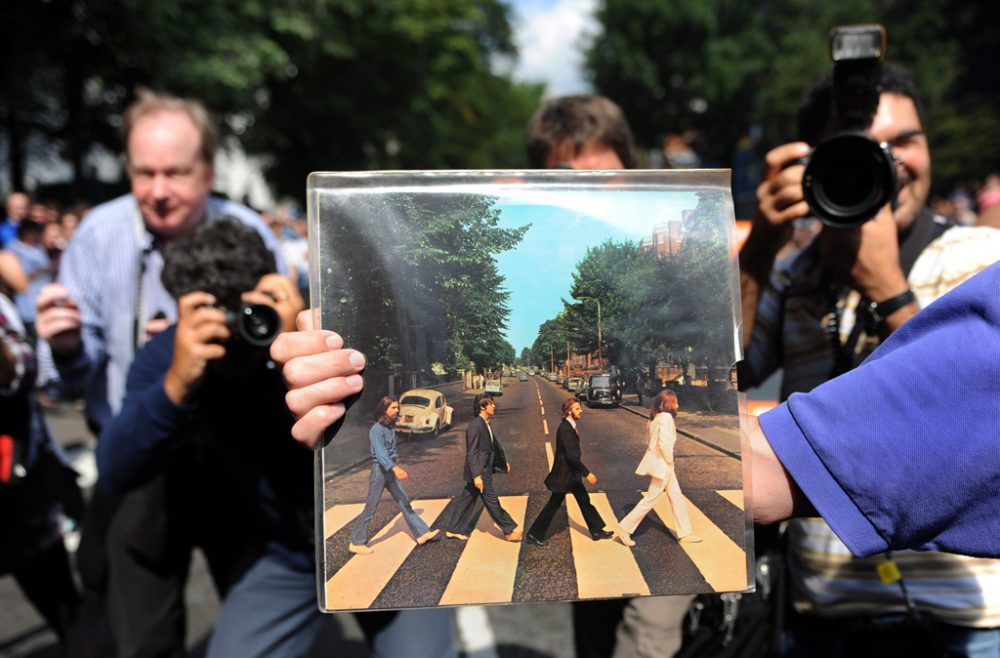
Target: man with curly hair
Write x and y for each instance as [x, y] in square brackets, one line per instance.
[203, 390]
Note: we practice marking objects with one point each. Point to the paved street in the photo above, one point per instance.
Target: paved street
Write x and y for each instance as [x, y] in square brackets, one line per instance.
[487, 569]
[539, 631]
[613, 441]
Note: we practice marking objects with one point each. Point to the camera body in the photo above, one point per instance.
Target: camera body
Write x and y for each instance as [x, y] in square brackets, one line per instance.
[850, 176]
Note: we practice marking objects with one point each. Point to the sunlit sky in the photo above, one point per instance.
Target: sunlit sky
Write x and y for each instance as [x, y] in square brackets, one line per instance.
[539, 272]
[549, 35]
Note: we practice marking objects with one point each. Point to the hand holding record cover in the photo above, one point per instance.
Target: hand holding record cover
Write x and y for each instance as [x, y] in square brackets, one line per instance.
[549, 408]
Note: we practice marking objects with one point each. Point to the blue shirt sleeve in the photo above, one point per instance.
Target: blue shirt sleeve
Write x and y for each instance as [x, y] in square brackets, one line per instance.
[380, 452]
[904, 451]
[136, 443]
[763, 354]
[77, 265]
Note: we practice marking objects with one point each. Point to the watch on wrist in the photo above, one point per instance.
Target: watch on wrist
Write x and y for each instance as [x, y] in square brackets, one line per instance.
[881, 310]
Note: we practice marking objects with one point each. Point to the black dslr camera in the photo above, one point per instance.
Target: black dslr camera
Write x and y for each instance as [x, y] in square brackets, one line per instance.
[850, 176]
[256, 325]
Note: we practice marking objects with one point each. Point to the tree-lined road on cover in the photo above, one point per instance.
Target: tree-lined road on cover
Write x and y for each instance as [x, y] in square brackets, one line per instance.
[486, 568]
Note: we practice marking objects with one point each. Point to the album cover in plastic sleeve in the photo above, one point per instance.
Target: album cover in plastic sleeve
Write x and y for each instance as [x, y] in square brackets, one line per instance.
[550, 409]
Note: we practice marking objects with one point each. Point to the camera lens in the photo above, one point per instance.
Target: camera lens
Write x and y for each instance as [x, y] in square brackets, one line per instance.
[848, 179]
[259, 324]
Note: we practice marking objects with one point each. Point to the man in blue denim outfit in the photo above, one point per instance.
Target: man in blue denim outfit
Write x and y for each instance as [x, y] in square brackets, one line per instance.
[386, 474]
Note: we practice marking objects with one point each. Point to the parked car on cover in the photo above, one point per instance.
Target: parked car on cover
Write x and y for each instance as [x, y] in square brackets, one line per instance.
[493, 387]
[551, 376]
[600, 390]
[523, 377]
[573, 384]
[423, 411]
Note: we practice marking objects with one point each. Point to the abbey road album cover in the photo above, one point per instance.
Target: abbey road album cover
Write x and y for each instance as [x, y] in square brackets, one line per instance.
[550, 409]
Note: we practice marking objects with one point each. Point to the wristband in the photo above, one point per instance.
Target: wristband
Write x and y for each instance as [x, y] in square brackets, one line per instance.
[881, 310]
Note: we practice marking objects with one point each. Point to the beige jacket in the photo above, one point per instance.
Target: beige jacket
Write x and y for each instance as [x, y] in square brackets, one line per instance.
[658, 462]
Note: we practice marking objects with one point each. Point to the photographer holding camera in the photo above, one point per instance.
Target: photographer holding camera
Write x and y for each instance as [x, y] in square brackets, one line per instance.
[864, 170]
[199, 393]
[205, 390]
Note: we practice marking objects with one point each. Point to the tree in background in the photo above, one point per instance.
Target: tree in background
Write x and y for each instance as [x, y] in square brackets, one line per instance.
[726, 69]
[700, 315]
[614, 273]
[424, 269]
[657, 309]
[449, 253]
[309, 84]
[406, 84]
[547, 349]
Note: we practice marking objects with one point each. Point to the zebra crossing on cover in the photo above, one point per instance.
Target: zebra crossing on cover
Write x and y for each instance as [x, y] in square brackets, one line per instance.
[487, 566]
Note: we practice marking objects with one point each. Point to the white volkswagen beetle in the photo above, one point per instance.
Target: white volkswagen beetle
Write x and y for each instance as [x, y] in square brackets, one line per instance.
[423, 411]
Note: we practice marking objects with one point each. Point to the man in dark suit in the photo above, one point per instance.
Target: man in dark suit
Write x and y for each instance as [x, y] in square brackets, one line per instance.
[482, 453]
[567, 475]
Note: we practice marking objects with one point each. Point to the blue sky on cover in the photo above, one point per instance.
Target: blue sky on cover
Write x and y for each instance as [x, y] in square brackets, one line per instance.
[539, 272]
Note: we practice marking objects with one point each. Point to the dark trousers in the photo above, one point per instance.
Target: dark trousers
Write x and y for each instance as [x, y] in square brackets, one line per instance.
[47, 582]
[145, 542]
[590, 514]
[470, 505]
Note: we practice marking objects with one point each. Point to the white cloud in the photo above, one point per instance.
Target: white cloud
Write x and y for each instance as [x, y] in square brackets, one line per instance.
[631, 213]
[550, 36]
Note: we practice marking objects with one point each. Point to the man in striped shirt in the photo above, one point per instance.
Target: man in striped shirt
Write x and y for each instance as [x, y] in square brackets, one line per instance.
[819, 313]
[107, 303]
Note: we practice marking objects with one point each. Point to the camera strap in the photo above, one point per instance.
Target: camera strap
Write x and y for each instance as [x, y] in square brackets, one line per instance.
[925, 229]
[144, 241]
[843, 351]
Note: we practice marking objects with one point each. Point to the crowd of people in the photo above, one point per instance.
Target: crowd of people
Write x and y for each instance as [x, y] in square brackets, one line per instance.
[35, 233]
[968, 201]
[148, 277]
[125, 305]
[33, 236]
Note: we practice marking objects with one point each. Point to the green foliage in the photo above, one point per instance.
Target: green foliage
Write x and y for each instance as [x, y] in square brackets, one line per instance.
[414, 91]
[451, 261]
[703, 321]
[551, 341]
[424, 270]
[310, 84]
[654, 309]
[608, 273]
[722, 67]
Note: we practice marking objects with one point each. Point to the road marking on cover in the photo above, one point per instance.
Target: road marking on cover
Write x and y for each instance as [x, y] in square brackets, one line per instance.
[486, 569]
[359, 582]
[545, 426]
[339, 516]
[604, 568]
[721, 562]
[734, 496]
[543, 411]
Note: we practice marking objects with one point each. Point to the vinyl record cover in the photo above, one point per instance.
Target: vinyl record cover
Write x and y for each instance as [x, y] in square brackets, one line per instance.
[550, 410]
